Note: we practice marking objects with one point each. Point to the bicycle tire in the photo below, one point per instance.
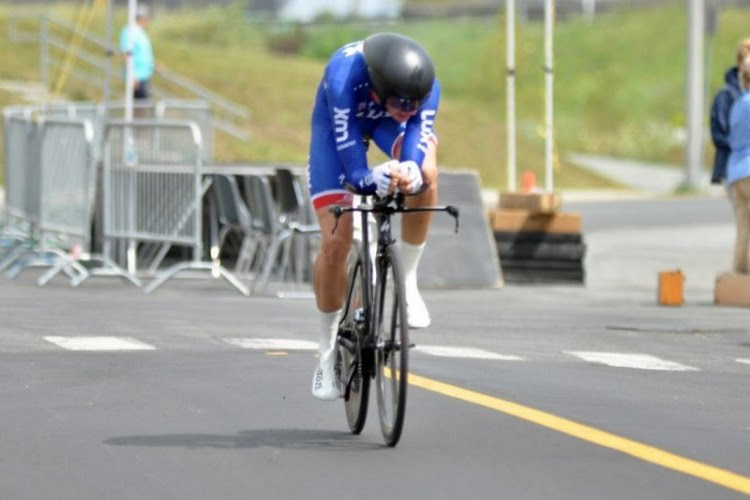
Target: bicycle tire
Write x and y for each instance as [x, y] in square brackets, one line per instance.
[355, 382]
[391, 347]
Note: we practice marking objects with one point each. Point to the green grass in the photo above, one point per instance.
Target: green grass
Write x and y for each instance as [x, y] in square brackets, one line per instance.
[619, 87]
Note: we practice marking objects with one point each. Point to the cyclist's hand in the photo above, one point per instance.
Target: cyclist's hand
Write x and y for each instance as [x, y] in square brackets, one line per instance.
[411, 177]
[385, 177]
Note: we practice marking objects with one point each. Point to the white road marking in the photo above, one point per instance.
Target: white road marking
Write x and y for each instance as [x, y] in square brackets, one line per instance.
[631, 360]
[463, 352]
[273, 344]
[743, 360]
[100, 343]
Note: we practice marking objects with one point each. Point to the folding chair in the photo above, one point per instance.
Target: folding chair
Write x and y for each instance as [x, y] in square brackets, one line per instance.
[280, 227]
[234, 215]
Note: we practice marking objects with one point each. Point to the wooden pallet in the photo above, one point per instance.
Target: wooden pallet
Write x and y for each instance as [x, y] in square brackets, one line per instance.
[536, 242]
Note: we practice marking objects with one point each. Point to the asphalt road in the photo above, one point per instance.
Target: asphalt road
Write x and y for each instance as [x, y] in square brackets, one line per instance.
[524, 402]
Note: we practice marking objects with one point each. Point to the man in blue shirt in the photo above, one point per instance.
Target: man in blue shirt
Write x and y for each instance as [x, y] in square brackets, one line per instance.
[138, 45]
[738, 168]
[382, 89]
[720, 109]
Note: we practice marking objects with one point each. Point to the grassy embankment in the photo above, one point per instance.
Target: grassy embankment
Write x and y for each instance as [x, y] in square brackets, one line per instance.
[619, 85]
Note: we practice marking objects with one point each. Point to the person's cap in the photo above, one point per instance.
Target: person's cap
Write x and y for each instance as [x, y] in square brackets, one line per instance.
[141, 11]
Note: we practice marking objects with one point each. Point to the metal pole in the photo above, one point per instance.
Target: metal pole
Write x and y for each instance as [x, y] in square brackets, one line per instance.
[107, 90]
[694, 94]
[128, 135]
[589, 8]
[129, 84]
[549, 21]
[44, 50]
[510, 57]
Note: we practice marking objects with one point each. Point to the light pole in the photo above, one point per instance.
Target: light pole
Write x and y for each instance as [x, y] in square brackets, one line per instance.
[694, 94]
[510, 61]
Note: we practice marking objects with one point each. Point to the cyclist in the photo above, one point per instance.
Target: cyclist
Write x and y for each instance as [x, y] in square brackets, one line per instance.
[381, 89]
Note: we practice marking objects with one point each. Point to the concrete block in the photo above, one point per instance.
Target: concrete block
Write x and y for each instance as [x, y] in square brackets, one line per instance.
[468, 259]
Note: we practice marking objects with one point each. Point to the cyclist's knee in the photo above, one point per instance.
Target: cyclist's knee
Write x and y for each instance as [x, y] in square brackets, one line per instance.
[334, 250]
[336, 243]
[430, 177]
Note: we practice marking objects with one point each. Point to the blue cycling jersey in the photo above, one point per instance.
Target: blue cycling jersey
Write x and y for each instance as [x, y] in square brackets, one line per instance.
[345, 116]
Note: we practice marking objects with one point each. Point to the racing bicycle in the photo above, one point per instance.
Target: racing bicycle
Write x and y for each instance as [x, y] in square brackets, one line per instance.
[373, 336]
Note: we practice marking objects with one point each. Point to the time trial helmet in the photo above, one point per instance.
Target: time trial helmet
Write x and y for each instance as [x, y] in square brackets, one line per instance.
[400, 70]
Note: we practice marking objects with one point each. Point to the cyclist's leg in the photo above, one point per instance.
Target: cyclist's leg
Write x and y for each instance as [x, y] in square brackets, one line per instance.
[329, 271]
[414, 232]
[414, 235]
[417, 225]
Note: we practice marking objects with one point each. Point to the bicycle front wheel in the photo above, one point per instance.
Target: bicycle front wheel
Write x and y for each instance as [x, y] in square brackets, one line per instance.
[354, 381]
[391, 347]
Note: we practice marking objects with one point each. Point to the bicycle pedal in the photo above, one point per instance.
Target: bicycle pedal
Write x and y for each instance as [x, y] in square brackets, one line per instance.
[412, 345]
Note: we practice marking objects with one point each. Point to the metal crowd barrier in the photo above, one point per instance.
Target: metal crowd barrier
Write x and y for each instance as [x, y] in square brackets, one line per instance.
[21, 136]
[51, 188]
[150, 198]
[153, 193]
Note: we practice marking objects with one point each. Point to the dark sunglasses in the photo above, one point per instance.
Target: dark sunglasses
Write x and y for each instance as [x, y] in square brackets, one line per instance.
[404, 104]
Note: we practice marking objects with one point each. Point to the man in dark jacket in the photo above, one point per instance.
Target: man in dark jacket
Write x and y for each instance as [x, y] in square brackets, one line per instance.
[720, 109]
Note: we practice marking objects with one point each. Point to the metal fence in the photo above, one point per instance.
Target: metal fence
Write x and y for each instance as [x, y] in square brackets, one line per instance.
[21, 165]
[50, 176]
[153, 193]
[152, 183]
[67, 178]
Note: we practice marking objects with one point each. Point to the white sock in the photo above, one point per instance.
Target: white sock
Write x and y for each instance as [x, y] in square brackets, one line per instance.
[329, 328]
[410, 256]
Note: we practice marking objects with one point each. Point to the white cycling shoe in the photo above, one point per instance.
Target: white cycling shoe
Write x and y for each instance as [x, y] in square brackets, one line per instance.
[416, 311]
[325, 382]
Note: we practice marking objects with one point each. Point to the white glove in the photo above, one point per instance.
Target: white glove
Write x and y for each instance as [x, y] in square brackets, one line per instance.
[413, 174]
[381, 177]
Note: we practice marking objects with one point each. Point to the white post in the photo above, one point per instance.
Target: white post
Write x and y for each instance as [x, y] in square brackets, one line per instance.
[694, 93]
[129, 70]
[107, 83]
[589, 8]
[510, 57]
[549, 21]
[128, 136]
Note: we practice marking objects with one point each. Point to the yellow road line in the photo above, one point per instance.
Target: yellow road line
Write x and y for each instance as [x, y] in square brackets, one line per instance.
[642, 451]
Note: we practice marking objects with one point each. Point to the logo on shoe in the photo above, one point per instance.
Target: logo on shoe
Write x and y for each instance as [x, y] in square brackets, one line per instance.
[318, 379]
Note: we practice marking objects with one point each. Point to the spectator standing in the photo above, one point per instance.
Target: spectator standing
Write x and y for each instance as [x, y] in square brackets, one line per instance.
[720, 109]
[138, 46]
[738, 168]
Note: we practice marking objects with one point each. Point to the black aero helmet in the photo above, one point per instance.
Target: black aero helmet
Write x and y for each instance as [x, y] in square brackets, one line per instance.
[400, 70]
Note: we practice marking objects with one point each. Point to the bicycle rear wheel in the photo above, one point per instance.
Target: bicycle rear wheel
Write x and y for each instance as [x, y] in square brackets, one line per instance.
[355, 382]
[391, 347]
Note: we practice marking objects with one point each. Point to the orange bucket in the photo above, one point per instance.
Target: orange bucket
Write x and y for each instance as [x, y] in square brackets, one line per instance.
[670, 288]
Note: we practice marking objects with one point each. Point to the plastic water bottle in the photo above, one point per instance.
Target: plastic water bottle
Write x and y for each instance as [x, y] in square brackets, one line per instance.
[131, 154]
